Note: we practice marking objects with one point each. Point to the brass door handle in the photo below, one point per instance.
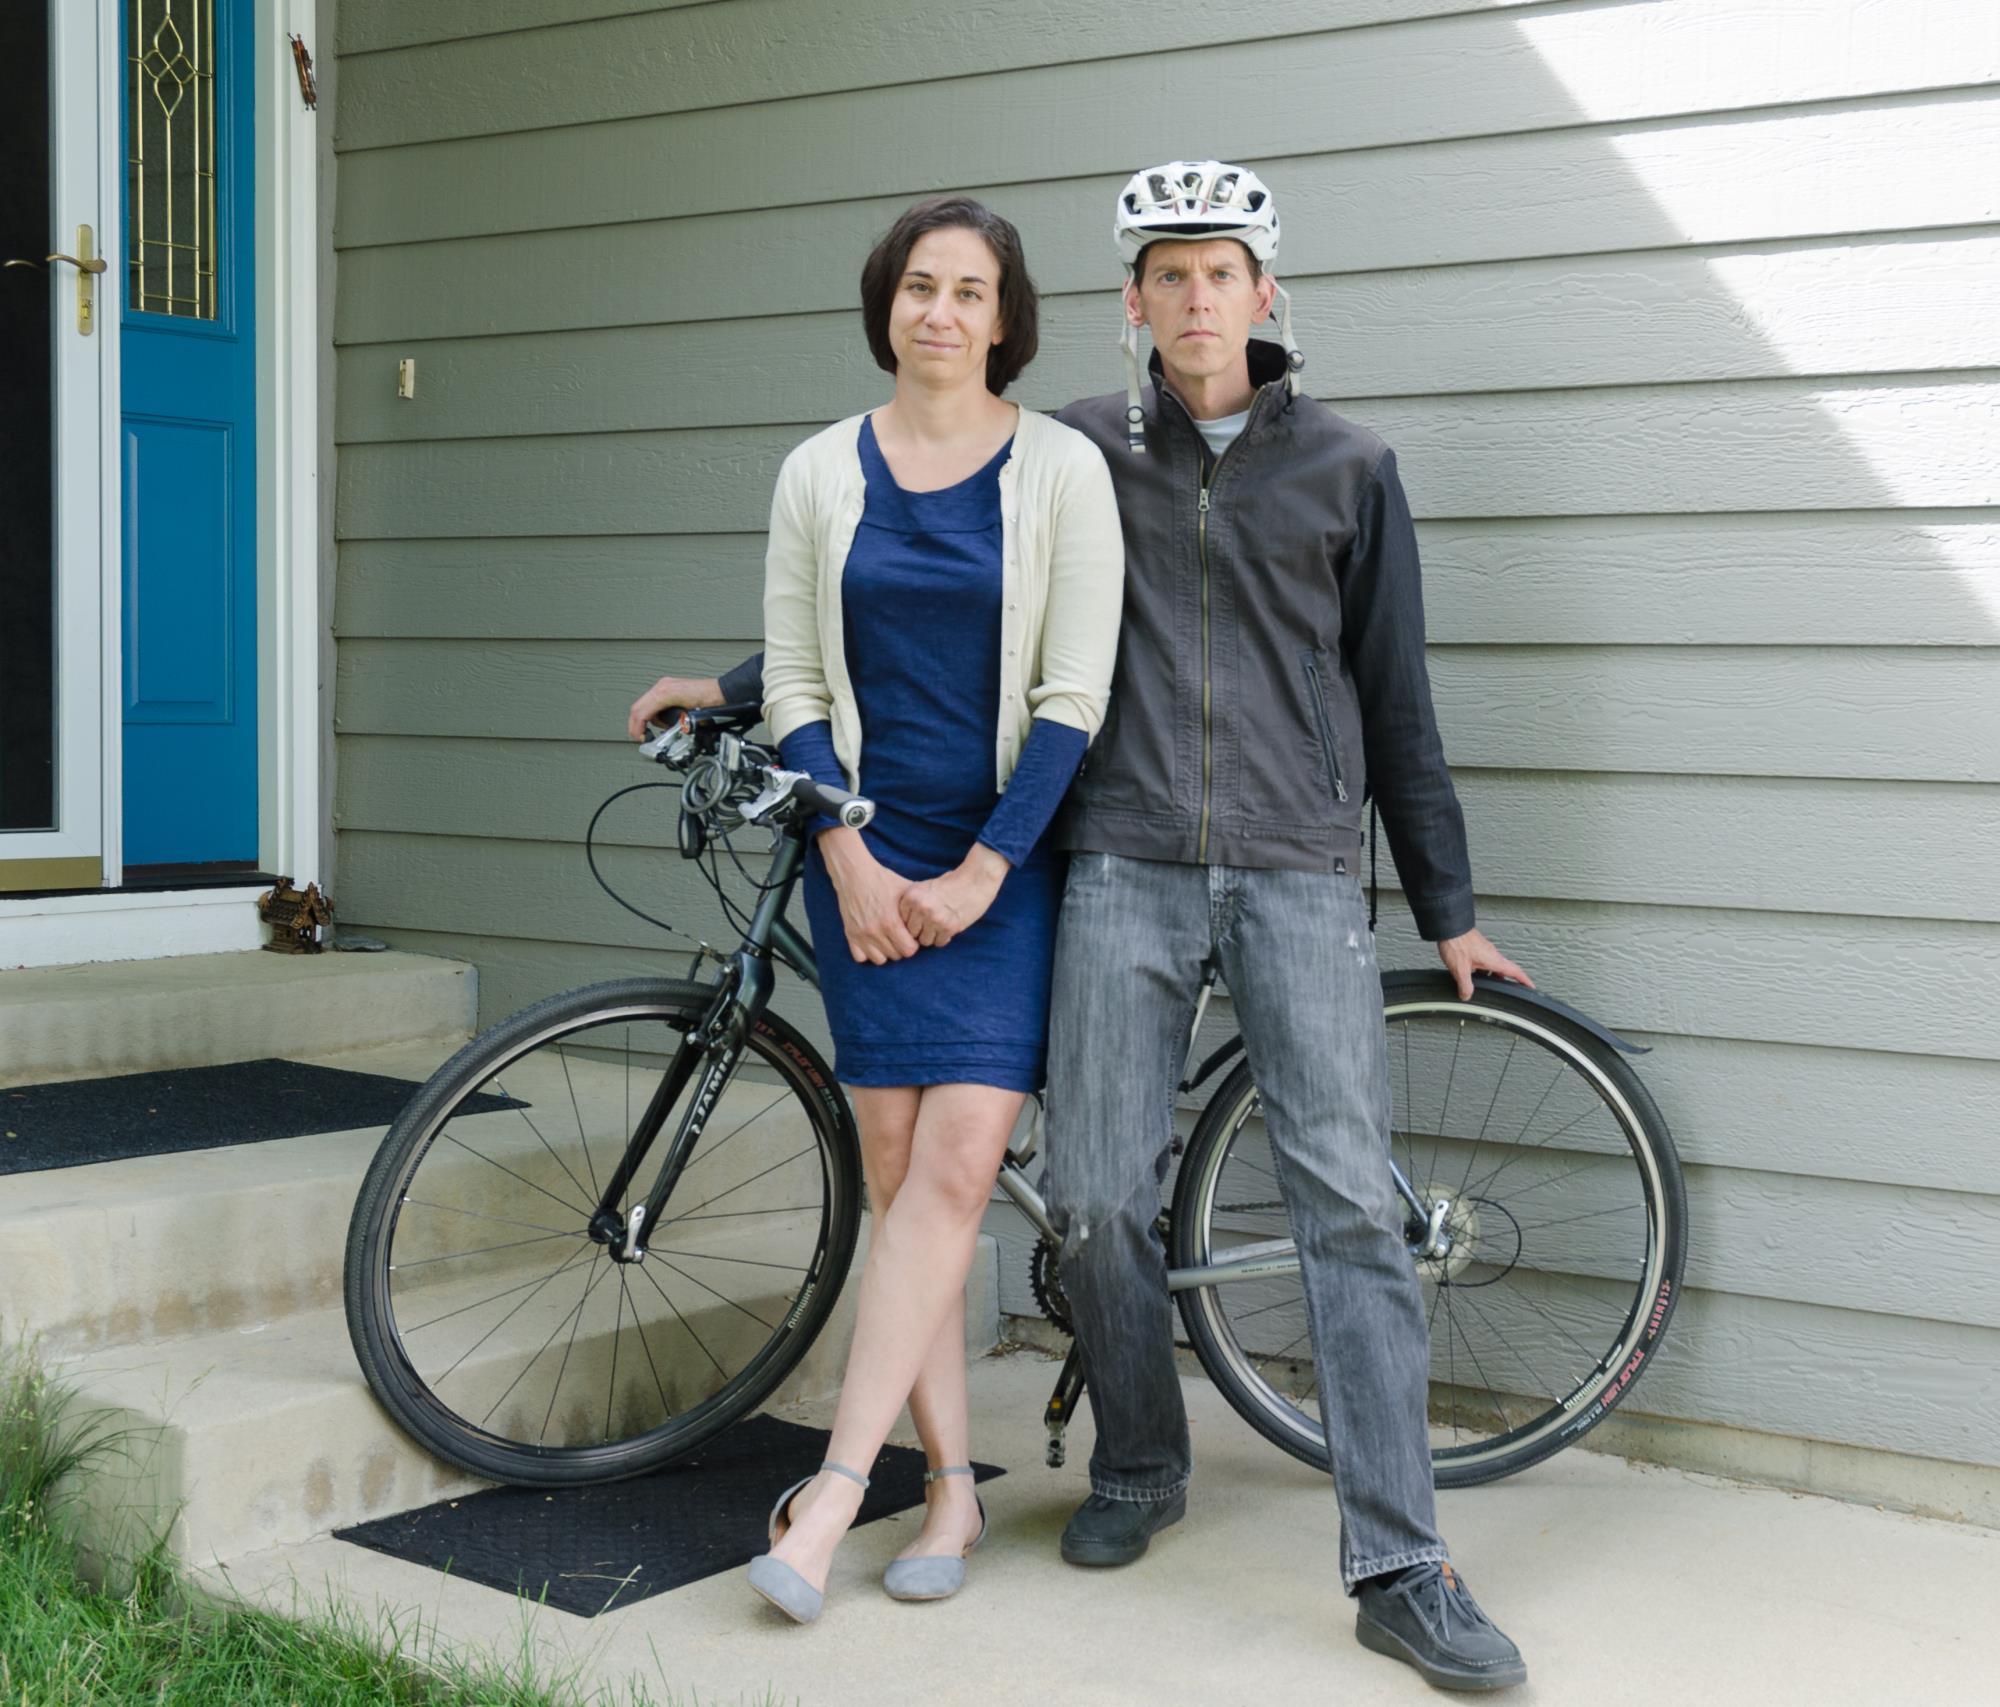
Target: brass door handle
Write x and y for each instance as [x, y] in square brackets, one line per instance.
[96, 266]
[88, 265]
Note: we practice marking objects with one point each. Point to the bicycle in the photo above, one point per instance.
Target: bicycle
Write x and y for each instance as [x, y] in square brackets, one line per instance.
[475, 1217]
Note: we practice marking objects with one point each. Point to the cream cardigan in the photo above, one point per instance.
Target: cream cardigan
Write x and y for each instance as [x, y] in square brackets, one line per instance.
[1062, 587]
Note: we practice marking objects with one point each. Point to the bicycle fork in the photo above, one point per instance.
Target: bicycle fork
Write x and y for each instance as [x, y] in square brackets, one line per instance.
[714, 1045]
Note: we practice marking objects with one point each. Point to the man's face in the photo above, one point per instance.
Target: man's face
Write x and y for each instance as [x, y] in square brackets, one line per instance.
[1199, 300]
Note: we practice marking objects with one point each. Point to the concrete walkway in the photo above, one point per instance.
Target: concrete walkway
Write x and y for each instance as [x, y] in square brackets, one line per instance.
[1622, 1584]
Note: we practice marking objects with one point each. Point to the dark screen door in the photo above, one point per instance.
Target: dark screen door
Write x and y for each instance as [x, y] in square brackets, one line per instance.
[27, 556]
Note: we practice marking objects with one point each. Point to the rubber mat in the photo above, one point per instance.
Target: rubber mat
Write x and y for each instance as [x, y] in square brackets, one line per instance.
[589, 1549]
[195, 1108]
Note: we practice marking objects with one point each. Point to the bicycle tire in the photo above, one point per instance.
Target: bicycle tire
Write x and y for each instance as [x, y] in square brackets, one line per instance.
[1568, 1416]
[404, 1391]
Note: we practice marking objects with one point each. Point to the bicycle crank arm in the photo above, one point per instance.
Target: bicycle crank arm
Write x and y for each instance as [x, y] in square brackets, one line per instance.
[1062, 1405]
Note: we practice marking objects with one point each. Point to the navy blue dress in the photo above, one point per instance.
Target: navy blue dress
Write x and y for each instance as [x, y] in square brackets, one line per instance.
[921, 597]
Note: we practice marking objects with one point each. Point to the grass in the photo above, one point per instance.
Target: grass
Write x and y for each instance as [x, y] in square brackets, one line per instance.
[66, 1643]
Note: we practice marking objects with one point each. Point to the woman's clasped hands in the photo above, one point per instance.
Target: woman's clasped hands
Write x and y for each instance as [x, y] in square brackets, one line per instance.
[888, 916]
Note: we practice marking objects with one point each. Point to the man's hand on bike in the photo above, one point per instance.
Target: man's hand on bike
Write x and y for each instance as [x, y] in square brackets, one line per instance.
[1473, 952]
[870, 896]
[937, 909]
[688, 693]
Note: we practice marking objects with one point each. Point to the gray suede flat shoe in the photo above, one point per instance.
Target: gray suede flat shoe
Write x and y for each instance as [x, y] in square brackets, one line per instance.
[775, 1580]
[938, 1576]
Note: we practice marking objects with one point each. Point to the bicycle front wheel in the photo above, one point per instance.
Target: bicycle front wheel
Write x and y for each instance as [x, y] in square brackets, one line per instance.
[1563, 1210]
[504, 1336]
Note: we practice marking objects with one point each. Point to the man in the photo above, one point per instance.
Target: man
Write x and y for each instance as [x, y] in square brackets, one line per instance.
[1271, 667]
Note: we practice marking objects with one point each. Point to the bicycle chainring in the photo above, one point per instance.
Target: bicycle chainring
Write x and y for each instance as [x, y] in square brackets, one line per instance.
[1045, 1276]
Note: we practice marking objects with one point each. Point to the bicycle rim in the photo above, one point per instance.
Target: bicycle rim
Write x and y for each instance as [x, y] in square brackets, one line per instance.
[1564, 1208]
[503, 1335]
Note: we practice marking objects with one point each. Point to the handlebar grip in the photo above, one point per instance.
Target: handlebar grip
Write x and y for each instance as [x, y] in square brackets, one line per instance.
[849, 809]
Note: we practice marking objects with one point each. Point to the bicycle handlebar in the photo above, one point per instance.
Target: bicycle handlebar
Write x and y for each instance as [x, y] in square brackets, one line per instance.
[708, 745]
[836, 803]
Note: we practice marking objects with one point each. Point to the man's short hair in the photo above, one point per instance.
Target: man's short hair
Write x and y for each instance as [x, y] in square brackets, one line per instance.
[882, 275]
[1139, 266]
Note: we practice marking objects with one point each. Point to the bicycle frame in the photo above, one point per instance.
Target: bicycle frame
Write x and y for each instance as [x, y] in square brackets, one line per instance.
[742, 994]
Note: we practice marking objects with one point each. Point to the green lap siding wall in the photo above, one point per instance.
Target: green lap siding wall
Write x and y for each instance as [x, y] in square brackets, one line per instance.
[1684, 318]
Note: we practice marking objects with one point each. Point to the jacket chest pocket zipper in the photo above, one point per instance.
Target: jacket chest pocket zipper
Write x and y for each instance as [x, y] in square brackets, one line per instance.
[1329, 744]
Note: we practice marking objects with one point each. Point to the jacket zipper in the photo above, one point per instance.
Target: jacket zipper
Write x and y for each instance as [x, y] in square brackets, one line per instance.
[1327, 743]
[1207, 683]
[1207, 688]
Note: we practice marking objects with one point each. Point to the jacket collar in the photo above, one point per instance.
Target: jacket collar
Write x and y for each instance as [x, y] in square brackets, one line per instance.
[1267, 374]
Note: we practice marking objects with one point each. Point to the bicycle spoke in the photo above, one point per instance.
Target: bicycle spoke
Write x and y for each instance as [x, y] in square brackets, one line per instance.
[617, 1333]
[759, 1115]
[482, 1250]
[530, 1364]
[1492, 1397]
[531, 1287]
[582, 1137]
[731, 1302]
[1498, 1086]
[684, 1322]
[740, 1184]
[659, 1386]
[1536, 1386]
[574, 1209]
[522, 1111]
[453, 1209]
[576, 1321]
[712, 1256]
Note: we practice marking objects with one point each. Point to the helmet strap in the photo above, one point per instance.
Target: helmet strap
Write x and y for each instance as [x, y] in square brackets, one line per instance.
[1294, 357]
[1135, 413]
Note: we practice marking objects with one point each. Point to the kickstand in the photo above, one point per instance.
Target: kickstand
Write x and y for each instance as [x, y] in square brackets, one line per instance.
[1062, 1404]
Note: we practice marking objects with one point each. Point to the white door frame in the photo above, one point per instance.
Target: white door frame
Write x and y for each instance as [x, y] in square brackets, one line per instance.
[84, 372]
[88, 86]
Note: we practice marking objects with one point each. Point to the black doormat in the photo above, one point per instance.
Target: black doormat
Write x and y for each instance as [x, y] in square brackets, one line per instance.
[195, 1108]
[589, 1549]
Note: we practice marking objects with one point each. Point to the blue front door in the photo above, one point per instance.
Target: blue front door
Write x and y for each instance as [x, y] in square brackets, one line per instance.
[188, 473]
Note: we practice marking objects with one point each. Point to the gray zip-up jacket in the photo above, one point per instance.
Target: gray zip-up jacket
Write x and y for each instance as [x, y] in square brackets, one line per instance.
[1271, 663]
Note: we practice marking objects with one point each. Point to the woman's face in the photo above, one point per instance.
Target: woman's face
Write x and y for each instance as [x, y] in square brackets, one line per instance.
[946, 311]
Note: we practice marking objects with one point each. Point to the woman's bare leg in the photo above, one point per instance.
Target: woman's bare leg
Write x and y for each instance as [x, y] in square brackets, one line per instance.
[938, 1402]
[912, 1286]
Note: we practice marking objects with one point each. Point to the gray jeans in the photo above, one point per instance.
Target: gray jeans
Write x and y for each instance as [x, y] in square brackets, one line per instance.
[1295, 951]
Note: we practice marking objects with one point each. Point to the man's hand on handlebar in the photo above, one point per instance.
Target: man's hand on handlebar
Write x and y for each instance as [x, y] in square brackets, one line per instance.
[687, 693]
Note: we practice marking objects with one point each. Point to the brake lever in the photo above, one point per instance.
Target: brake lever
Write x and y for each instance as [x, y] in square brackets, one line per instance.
[777, 789]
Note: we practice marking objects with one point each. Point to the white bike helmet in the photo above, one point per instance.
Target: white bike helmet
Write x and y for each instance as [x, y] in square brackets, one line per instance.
[1189, 200]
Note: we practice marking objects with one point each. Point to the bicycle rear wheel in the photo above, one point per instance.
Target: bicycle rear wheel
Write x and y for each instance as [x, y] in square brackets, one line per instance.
[502, 1335]
[1565, 1207]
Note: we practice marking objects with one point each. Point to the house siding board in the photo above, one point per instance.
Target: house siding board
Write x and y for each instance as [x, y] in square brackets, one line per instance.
[1836, 310]
[1849, 169]
[1681, 318]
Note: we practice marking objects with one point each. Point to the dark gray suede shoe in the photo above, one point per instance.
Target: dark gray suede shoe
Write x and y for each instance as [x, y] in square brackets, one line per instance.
[1426, 1617]
[1115, 1532]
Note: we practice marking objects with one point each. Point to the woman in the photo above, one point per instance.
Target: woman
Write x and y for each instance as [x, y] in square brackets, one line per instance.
[941, 607]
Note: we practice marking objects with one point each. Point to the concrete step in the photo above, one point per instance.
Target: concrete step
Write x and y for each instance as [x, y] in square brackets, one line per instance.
[132, 1016]
[236, 1442]
[155, 1248]
[159, 1248]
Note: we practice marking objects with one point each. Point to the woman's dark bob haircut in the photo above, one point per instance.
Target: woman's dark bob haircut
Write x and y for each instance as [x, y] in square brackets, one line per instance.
[882, 276]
